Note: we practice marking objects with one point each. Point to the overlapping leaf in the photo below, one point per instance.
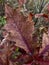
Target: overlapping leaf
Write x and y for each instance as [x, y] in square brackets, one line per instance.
[45, 43]
[20, 27]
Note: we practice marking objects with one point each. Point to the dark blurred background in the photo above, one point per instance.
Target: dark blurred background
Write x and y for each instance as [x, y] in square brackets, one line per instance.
[2, 7]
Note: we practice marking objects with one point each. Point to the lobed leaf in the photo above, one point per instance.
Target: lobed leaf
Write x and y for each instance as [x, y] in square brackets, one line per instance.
[20, 27]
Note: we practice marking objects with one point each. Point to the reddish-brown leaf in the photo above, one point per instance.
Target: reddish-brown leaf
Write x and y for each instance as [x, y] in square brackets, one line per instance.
[45, 43]
[41, 15]
[20, 27]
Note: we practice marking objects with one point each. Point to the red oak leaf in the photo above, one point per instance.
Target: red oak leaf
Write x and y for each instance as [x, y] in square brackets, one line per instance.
[20, 27]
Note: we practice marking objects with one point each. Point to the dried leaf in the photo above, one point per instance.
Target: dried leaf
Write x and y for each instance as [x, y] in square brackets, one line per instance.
[45, 43]
[20, 27]
[41, 15]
